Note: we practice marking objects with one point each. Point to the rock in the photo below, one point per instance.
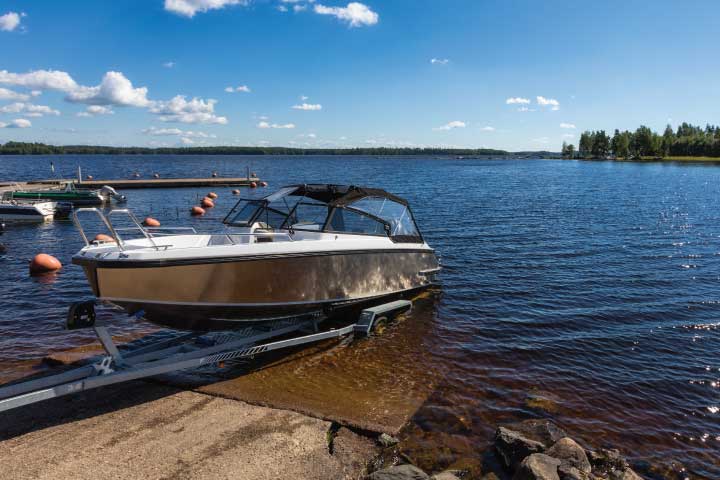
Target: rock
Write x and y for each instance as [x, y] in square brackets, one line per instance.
[399, 472]
[571, 454]
[629, 474]
[607, 461]
[446, 475]
[538, 466]
[387, 440]
[567, 472]
[513, 447]
[543, 431]
[542, 402]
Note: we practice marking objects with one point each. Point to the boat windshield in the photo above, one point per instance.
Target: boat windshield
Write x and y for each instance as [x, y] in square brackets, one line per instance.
[290, 210]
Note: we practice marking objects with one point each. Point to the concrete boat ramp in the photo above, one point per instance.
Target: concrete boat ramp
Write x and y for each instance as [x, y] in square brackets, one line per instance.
[312, 413]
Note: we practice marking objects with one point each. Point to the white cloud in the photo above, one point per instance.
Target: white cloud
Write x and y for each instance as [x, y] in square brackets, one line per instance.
[241, 88]
[115, 89]
[568, 135]
[541, 140]
[488, 129]
[548, 102]
[439, 61]
[17, 123]
[28, 109]
[265, 124]
[518, 100]
[179, 109]
[166, 132]
[188, 8]
[526, 109]
[94, 110]
[40, 80]
[356, 14]
[303, 98]
[10, 21]
[187, 141]
[567, 125]
[168, 64]
[451, 125]
[299, 8]
[282, 8]
[6, 94]
[308, 106]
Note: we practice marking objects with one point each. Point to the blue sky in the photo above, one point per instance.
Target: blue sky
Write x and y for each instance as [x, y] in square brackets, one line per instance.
[332, 73]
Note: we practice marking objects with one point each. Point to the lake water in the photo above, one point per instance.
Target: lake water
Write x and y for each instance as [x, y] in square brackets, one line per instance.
[590, 287]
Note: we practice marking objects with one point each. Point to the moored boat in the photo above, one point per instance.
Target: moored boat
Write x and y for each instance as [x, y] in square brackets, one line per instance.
[26, 210]
[303, 249]
[69, 193]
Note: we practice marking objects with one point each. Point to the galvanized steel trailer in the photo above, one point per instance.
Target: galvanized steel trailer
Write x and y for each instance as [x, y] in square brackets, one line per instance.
[186, 351]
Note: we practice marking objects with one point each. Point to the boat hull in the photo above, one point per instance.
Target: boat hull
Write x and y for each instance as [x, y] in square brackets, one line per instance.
[226, 293]
[39, 212]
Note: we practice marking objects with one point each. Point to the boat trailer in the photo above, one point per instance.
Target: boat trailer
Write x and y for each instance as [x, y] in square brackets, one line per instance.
[185, 351]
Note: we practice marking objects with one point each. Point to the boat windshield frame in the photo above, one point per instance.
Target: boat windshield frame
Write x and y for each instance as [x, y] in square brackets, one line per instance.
[335, 198]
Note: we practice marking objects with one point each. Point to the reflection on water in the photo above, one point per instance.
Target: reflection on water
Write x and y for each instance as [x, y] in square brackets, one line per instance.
[584, 292]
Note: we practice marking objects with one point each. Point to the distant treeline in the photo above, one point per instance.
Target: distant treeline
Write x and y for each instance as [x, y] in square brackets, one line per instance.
[687, 141]
[21, 148]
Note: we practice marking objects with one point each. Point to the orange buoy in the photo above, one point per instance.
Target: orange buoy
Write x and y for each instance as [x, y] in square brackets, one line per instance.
[101, 237]
[43, 264]
[236, 192]
[156, 175]
[263, 184]
[207, 203]
[197, 210]
[151, 222]
[253, 185]
[212, 195]
[253, 174]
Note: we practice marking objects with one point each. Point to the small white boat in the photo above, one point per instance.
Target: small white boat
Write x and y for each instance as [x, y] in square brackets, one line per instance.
[26, 211]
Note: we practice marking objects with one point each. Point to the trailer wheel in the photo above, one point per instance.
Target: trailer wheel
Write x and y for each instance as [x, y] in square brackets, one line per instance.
[380, 324]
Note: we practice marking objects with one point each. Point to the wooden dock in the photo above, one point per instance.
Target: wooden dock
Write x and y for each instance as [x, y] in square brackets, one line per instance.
[124, 184]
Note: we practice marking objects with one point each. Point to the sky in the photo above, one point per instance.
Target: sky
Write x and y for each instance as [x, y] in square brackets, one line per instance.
[508, 74]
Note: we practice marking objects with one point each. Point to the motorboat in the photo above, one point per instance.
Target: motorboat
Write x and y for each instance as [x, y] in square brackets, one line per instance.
[69, 193]
[26, 210]
[303, 249]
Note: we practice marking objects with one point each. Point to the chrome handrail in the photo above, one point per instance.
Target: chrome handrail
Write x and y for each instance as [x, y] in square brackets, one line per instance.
[103, 218]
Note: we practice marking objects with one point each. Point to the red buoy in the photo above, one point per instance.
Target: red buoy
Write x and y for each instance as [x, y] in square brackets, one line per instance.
[151, 222]
[263, 184]
[101, 237]
[212, 195]
[207, 203]
[253, 185]
[236, 192]
[197, 210]
[43, 264]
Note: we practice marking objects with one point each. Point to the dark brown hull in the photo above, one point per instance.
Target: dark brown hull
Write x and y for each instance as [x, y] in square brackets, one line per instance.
[228, 293]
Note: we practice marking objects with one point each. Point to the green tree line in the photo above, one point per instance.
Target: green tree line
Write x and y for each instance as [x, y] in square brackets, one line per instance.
[22, 148]
[687, 141]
